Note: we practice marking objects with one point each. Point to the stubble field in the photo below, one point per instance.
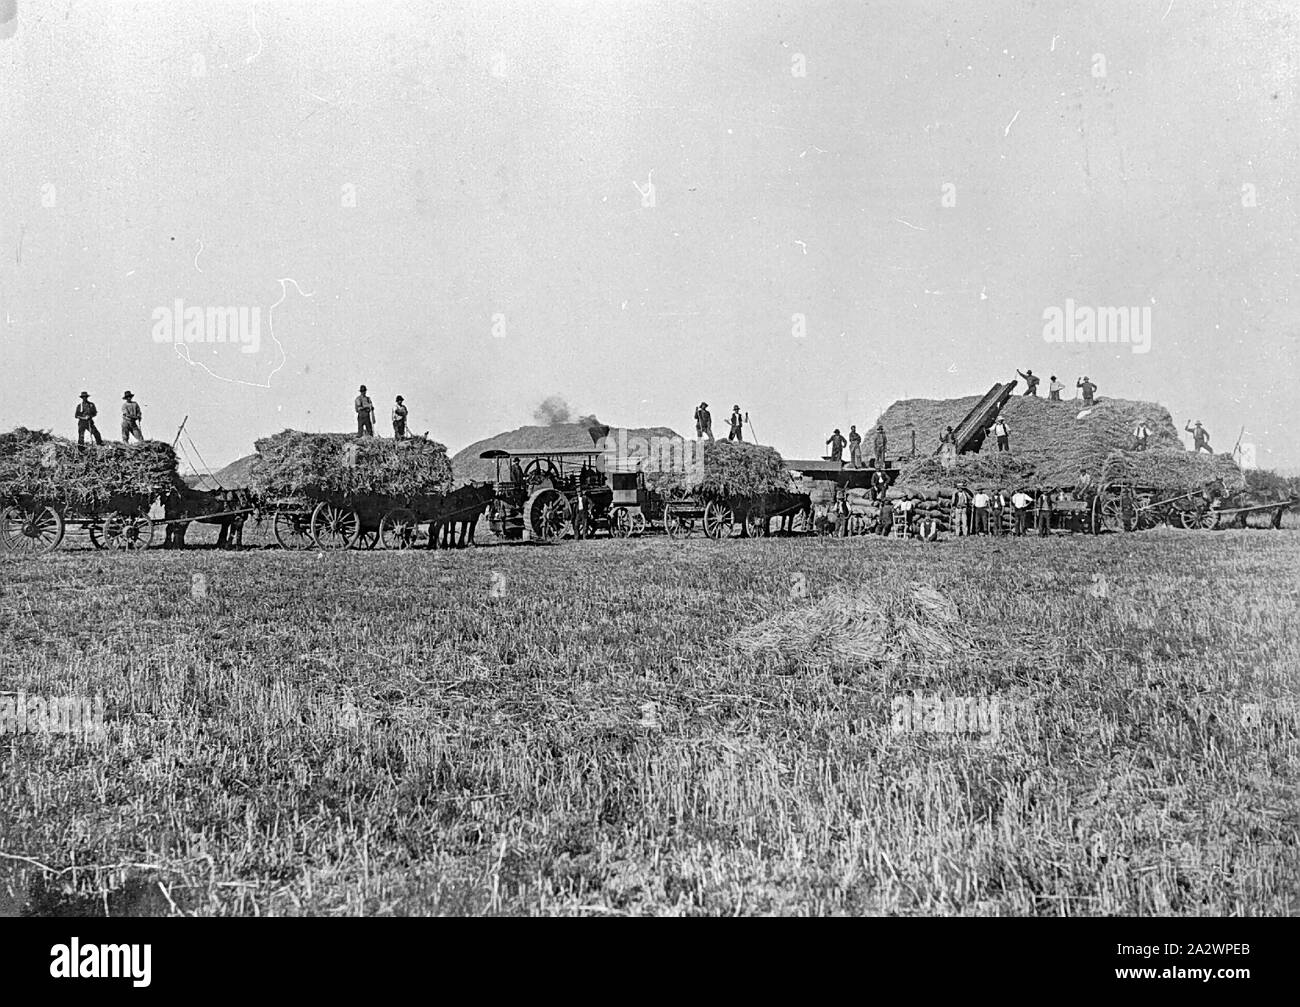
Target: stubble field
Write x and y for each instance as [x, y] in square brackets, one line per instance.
[580, 729]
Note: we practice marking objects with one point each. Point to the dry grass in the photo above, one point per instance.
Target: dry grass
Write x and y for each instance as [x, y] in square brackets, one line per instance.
[35, 463]
[293, 463]
[731, 469]
[300, 743]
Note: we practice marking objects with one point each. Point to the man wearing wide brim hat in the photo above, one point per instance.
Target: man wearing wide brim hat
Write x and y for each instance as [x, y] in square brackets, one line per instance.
[399, 419]
[365, 414]
[131, 417]
[85, 416]
[703, 421]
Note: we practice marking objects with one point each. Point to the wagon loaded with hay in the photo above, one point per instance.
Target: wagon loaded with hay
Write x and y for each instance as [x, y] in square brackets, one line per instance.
[739, 490]
[49, 484]
[341, 491]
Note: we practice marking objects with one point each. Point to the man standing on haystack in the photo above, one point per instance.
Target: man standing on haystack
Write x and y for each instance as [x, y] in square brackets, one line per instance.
[1141, 434]
[737, 425]
[85, 415]
[836, 442]
[1089, 390]
[365, 414]
[1031, 381]
[703, 421]
[855, 447]
[1201, 436]
[131, 417]
[399, 420]
[1001, 432]
[1054, 390]
[878, 443]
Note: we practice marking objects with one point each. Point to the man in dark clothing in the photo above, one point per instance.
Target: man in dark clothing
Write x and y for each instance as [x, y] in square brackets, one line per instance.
[131, 417]
[1031, 381]
[85, 415]
[997, 504]
[885, 523]
[737, 425]
[948, 437]
[581, 516]
[1200, 436]
[1043, 512]
[1089, 390]
[837, 442]
[365, 414]
[703, 421]
[879, 484]
[855, 447]
[879, 443]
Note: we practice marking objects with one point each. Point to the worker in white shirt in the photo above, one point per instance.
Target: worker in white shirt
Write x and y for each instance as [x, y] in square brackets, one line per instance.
[1020, 504]
[1054, 390]
[980, 505]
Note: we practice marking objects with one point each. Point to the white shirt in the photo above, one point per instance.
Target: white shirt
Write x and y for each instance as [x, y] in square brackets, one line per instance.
[981, 499]
[1021, 499]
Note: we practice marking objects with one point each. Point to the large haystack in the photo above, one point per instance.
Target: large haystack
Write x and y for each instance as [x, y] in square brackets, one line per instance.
[293, 464]
[1051, 443]
[35, 463]
[731, 469]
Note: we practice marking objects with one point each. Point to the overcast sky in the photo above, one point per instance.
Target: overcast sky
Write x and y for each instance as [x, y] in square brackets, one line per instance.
[499, 158]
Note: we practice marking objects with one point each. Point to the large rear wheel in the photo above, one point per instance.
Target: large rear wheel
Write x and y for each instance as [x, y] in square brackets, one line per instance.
[31, 531]
[335, 527]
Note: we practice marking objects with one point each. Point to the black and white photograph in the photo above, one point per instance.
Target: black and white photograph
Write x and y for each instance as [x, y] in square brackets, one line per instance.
[650, 458]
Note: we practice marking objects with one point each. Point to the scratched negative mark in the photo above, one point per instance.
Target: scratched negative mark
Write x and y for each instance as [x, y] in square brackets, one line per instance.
[252, 19]
[270, 321]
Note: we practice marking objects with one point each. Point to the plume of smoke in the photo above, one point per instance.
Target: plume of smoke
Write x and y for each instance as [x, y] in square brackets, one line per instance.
[551, 411]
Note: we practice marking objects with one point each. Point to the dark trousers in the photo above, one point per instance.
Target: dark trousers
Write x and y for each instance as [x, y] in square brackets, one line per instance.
[1022, 519]
[736, 435]
[82, 427]
[1054, 396]
[981, 521]
[1044, 521]
[995, 520]
[1004, 443]
[399, 429]
[364, 426]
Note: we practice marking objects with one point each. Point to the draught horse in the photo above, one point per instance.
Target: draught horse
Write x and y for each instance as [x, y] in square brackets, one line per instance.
[460, 511]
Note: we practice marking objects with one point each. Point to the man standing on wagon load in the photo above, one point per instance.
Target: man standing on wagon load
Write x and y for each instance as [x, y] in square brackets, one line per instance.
[131, 417]
[1031, 381]
[365, 414]
[399, 420]
[85, 416]
[737, 425]
[1089, 390]
[1054, 389]
[703, 421]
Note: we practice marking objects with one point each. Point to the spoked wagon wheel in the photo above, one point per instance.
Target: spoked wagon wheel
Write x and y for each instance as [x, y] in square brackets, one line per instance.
[547, 514]
[119, 531]
[292, 529]
[756, 523]
[620, 523]
[638, 523]
[398, 529]
[676, 524]
[334, 527]
[719, 520]
[1117, 511]
[30, 531]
